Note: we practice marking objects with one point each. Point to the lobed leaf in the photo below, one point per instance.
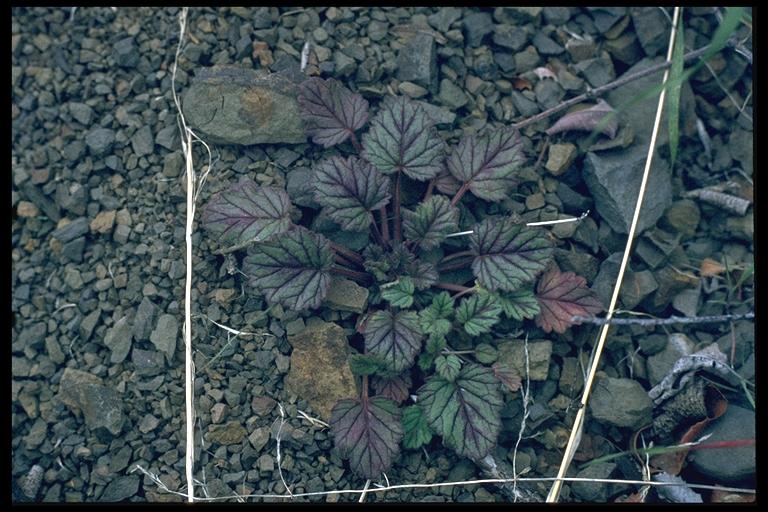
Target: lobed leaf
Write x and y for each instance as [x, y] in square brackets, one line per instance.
[350, 189]
[478, 313]
[434, 318]
[403, 138]
[395, 388]
[247, 212]
[416, 432]
[423, 273]
[519, 304]
[448, 366]
[600, 117]
[562, 295]
[431, 222]
[395, 337]
[293, 269]
[331, 112]
[446, 183]
[466, 412]
[508, 255]
[367, 431]
[487, 164]
[399, 293]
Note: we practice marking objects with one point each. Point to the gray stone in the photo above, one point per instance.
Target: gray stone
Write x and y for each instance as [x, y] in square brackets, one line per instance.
[523, 105]
[614, 181]
[527, 60]
[73, 250]
[232, 105]
[32, 336]
[148, 423]
[412, 90]
[259, 438]
[72, 197]
[548, 93]
[101, 406]
[74, 229]
[598, 71]
[624, 48]
[577, 261]
[546, 45]
[126, 53]
[144, 319]
[510, 36]
[230, 433]
[683, 216]
[476, 26]
[299, 185]
[266, 463]
[557, 15]
[121, 233]
[594, 492]
[443, 18]
[72, 278]
[143, 142]
[606, 17]
[346, 295]
[118, 339]
[417, 61]
[621, 402]
[451, 95]
[320, 371]
[440, 115]
[652, 29]
[512, 353]
[728, 464]
[100, 140]
[33, 194]
[561, 156]
[121, 488]
[88, 325]
[168, 138]
[81, 112]
[660, 364]
[519, 15]
[343, 64]
[147, 362]
[173, 163]
[164, 335]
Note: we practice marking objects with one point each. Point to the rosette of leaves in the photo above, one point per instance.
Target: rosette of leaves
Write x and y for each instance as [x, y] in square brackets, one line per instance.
[417, 306]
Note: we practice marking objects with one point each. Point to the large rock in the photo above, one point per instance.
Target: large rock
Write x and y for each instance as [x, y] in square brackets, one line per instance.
[232, 105]
[100, 405]
[320, 371]
[512, 353]
[728, 464]
[417, 61]
[346, 295]
[118, 339]
[621, 402]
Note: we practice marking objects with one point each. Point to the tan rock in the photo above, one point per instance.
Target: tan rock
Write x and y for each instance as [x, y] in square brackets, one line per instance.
[27, 209]
[103, 222]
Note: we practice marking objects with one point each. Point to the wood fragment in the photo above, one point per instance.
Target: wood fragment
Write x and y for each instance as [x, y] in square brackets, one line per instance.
[727, 202]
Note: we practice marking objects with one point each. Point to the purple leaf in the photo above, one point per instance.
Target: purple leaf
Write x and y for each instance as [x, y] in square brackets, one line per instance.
[331, 111]
[431, 222]
[587, 120]
[246, 212]
[367, 431]
[488, 163]
[394, 337]
[446, 183]
[402, 138]
[395, 388]
[350, 189]
[293, 269]
[562, 295]
[507, 375]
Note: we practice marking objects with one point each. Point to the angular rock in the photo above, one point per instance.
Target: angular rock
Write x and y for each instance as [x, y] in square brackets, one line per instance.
[81, 112]
[74, 229]
[142, 141]
[100, 140]
[417, 61]
[444, 17]
[144, 319]
[652, 29]
[118, 339]
[32, 336]
[320, 371]
[510, 36]
[101, 406]
[126, 53]
[168, 138]
[103, 222]
[147, 362]
[346, 295]
[451, 95]
[597, 492]
[546, 45]
[232, 105]
[548, 93]
[621, 402]
[164, 335]
[598, 71]
[121, 488]
[230, 433]
[259, 438]
[48, 207]
[728, 464]
[614, 181]
[512, 353]
[683, 216]
[476, 26]
[561, 156]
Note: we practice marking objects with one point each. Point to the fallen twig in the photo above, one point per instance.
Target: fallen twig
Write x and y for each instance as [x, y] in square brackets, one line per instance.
[661, 321]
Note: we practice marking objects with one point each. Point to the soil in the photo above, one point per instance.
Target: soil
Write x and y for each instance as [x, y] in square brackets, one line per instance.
[98, 211]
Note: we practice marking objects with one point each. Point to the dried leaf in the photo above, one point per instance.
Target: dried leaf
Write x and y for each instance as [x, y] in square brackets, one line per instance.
[520, 84]
[587, 120]
[507, 375]
[331, 111]
[710, 267]
[350, 189]
[562, 295]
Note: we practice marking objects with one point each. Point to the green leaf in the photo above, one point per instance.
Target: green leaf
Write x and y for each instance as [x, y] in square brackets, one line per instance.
[478, 313]
[425, 361]
[507, 254]
[466, 412]
[246, 212]
[431, 222]
[673, 100]
[395, 337]
[487, 164]
[416, 431]
[562, 295]
[423, 273]
[365, 364]
[399, 293]
[293, 269]
[434, 318]
[486, 353]
[350, 189]
[402, 138]
[435, 344]
[330, 111]
[442, 304]
[448, 366]
[520, 304]
[368, 433]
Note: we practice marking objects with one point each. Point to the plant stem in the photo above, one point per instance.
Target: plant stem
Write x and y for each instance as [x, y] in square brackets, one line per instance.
[455, 265]
[365, 387]
[460, 193]
[361, 277]
[347, 253]
[460, 254]
[338, 258]
[599, 91]
[384, 225]
[377, 233]
[454, 287]
[461, 294]
[398, 231]
[430, 189]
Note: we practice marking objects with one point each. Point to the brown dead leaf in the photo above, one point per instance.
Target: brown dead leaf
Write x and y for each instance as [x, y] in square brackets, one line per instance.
[262, 52]
[710, 267]
[520, 83]
[587, 120]
[632, 498]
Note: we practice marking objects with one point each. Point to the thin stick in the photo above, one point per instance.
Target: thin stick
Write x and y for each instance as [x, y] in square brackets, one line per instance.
[524, 420]
[453, 287]
[578, 423]
[352, 274]
[661, 321]
[365, 491]
[347, 253]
